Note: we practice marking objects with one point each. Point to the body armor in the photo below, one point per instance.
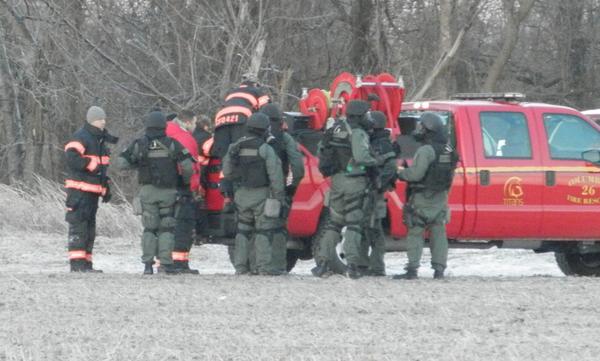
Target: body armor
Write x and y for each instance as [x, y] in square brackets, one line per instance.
[440, 173]
[253, 168]
[383, 146]
[157, 165]
[336, 151]
[279, 148]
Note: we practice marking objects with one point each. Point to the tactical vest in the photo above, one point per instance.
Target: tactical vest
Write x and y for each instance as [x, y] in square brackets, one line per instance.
[336, 151]
[157, 164]
[253, 168]
[279, 147]
[382, 146]
[440, 173]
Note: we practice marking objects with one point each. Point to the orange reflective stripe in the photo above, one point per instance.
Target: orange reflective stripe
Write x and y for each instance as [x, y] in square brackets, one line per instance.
[203, 160]
[234, 109]
[88, 257]
[263, 100]
[180, 256]
[249, 97]
[79, 147]
[95, 161]
[93, 164]
[207, 146]
[77, 255]
[86, 187]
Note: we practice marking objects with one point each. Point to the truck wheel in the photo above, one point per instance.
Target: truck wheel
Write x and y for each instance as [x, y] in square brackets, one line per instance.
[577, 264]
[337, 261]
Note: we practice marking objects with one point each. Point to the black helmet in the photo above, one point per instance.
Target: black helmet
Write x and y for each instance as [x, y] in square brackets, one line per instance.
[379, 121]
[258, 121]
[357, 107]
[157, 120]
[273, 111]
[432, 122]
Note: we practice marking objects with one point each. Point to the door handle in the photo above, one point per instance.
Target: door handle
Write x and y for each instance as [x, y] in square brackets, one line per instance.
[484, 177]
[550, 178]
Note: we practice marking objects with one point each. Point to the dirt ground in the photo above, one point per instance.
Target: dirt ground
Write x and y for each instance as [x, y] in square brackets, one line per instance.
[496, 305]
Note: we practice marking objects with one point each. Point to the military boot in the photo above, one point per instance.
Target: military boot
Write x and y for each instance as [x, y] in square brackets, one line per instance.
[321, 270]
[411, 274]
[364, 270]
[184, 267]
[168, 269]
[148, 268]
[438, 274]
[77, 265]
[89, 267]
[354, 272]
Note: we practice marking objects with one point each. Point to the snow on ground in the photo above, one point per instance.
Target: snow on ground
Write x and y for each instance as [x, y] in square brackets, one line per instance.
[496, 305]
[47, 253]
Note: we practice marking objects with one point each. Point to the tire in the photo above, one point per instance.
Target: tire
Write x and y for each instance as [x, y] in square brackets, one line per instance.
[577, 264]
[337, 262]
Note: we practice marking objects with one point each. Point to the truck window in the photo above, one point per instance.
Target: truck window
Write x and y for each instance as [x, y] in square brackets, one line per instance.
[505, 135]
[568, 136]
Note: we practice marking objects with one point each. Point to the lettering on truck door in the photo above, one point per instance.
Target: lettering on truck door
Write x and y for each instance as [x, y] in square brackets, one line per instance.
[572, 189]
[509, 176]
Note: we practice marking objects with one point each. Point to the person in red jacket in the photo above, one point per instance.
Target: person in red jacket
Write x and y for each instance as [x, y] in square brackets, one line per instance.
[181, 129]
[87, 160]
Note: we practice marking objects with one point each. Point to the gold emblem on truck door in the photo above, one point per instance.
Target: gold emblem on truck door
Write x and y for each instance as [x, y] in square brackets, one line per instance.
[584, 190]
[513, 192]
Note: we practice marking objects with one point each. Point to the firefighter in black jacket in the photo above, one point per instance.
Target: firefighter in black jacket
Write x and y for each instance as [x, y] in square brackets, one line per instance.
[87, 159]
[240, 103]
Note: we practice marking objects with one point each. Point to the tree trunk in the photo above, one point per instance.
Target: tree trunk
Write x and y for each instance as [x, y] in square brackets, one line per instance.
[511, 36]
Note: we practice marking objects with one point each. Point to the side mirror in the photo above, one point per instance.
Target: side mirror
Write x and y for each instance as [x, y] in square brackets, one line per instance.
[592, 156]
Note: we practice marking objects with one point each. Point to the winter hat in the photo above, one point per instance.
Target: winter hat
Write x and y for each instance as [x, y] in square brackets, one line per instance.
[95, 113]
[156, 120]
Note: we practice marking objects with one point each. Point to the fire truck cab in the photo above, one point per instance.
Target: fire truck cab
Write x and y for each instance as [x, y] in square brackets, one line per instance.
[528, 175]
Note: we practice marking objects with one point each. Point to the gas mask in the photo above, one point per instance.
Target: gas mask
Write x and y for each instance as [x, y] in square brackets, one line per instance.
[366, 121]
[419, 132]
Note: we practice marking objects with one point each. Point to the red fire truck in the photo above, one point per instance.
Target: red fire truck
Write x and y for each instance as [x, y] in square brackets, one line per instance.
[528, 176]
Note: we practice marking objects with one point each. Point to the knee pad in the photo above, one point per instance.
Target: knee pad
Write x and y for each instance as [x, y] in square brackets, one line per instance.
[150, 221]
[167, 224]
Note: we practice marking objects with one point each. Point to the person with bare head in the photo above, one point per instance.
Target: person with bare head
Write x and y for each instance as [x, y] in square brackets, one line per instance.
[87, 159]
[204, 139]
[181, 129]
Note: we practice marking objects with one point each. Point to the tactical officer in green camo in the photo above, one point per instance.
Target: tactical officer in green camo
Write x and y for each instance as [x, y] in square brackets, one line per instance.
[163, 166]
[384, 179]
[255, 170]
[349, 148]
[291, 160]
[426, 208]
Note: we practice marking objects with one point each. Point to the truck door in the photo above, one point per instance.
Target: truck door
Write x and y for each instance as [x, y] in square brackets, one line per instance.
[572, 186]
[509, 176]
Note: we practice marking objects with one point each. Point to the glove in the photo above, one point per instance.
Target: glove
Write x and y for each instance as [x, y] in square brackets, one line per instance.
[108, 195]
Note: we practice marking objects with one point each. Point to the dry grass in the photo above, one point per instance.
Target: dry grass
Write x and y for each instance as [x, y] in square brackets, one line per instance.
[130, 317]
[39, 206]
